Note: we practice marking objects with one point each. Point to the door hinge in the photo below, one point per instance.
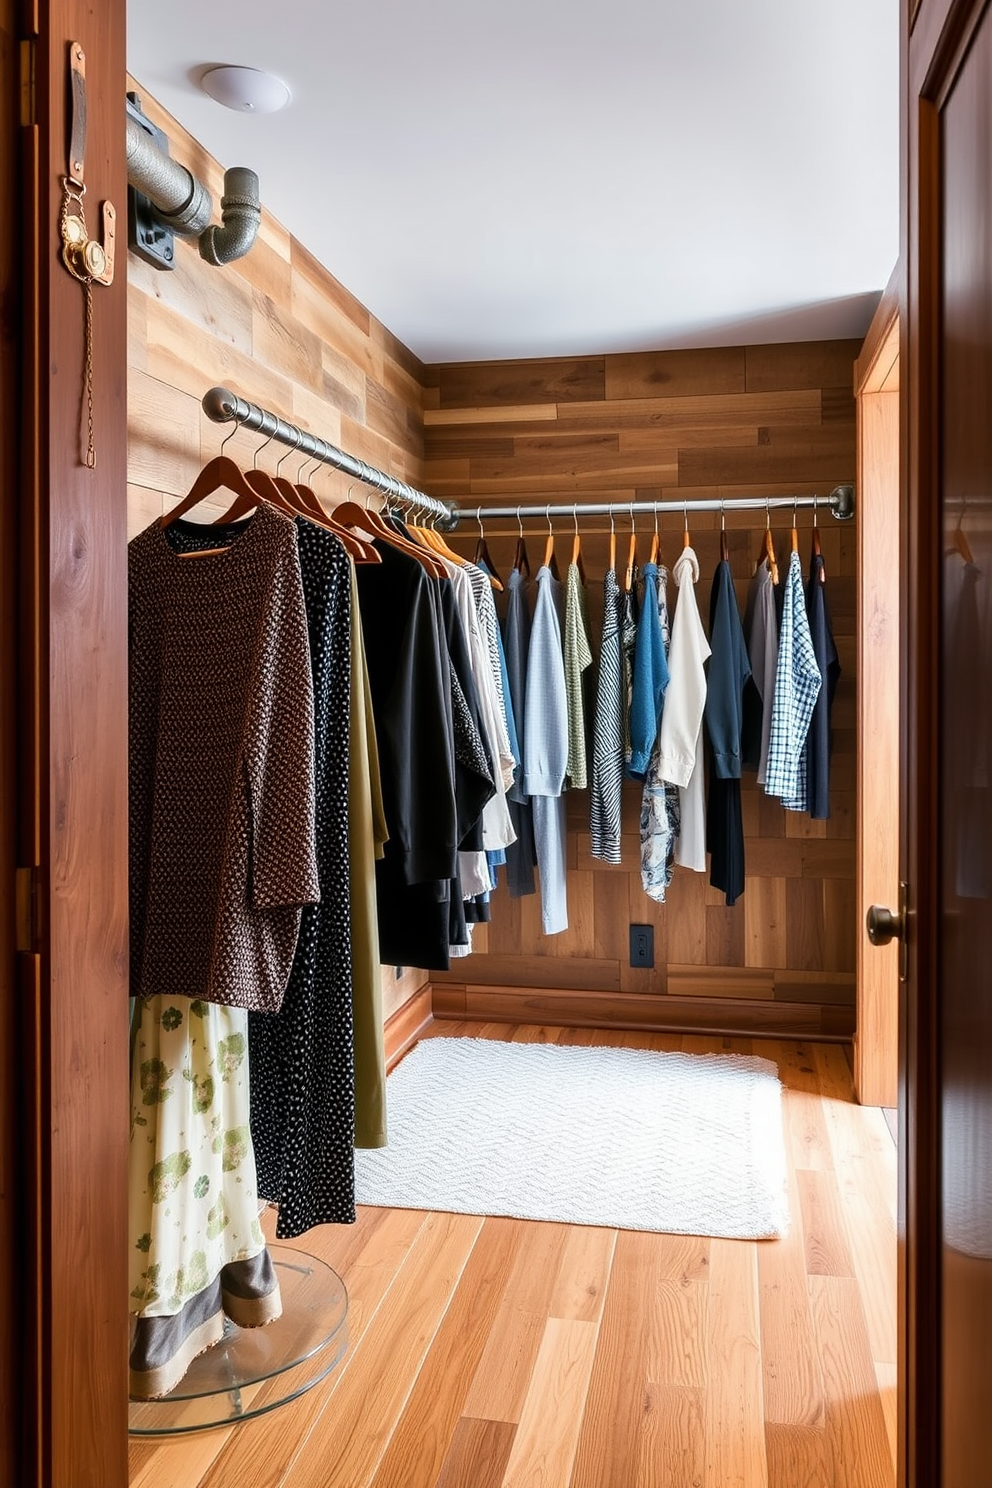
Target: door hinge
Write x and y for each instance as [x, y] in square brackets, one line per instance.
[26, 86]
[28, 883]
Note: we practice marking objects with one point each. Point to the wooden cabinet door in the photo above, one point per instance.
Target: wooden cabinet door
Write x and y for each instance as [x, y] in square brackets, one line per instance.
[946, 1055]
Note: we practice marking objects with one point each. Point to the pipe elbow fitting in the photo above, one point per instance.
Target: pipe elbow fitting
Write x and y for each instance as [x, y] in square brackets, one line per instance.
[241, 214]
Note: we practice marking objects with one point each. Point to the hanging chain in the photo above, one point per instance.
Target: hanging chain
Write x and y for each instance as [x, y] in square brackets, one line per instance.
[88, 375]
[72, 226]
[89, 260]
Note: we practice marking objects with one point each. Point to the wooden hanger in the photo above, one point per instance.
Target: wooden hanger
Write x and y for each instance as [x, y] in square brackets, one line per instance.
[482, 555]
[686, 539]
[577, 545]
[434, 543]
[431, 538]
[768, 550]
[310, 507]
[655, 542]
[550, 561]
[219, 474]
[260, 484]
[817, 552]
[349, 514]
[960, 537]
[521, 563]
[628, 578]
[962, 544]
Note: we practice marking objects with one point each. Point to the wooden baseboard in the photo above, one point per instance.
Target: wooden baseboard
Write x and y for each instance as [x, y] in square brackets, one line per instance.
[578, 1008]
[407, 1025]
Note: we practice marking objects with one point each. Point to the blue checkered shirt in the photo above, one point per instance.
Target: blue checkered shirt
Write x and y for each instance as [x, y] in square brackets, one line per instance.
[797, 685]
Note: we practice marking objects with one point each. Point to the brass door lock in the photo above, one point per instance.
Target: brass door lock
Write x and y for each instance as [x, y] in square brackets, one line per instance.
[87, 259]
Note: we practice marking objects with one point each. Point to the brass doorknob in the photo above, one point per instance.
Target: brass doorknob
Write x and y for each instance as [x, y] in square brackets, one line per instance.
[884, 925]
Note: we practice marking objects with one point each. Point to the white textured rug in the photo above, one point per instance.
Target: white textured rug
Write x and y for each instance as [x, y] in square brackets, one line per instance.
[683, 1143]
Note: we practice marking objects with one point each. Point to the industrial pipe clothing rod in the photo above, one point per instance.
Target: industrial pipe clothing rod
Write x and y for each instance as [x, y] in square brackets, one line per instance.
[839, 502]
[224, 407]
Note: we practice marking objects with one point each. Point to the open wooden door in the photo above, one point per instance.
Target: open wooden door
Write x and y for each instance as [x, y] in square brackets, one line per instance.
[946, 854]
[63, 588]
[876, 385]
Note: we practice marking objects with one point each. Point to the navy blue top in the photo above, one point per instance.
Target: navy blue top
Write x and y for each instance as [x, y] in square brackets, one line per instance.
[729, 668]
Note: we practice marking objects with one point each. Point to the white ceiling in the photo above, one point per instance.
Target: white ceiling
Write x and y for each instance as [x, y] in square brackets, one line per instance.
[508, 178]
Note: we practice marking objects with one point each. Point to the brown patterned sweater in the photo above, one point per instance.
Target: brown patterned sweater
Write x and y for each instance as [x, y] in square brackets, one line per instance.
[222, 850]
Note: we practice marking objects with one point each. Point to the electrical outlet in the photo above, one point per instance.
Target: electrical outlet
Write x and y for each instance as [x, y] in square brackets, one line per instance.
[642, 945]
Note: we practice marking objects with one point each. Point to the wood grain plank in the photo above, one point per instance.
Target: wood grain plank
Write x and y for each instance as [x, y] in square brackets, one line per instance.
[584, 1272]
[610, 1442]
[510, 383]
[419, 1448]
[888, 1389]
[792, 1384]
[280, 340]
[347, 1444]
[676, 1351]
[447, 418]
[798, 1456]
[546, 1439]
[766, 922]
[718, 370]
[163, 435]
[672, 1437]
[734, 1413]
[691, 412]
[804, 928]
[478, 1454]
[859, 1443]
[499, 1386]
[805, 364]
[827, 1252]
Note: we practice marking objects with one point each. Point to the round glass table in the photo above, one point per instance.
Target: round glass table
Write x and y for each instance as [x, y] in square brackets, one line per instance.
[254, 1370]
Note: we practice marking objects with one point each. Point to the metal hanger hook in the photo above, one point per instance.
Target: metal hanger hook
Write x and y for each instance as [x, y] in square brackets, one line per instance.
[575, 518]
[795, 510]
[547, 513]
[816, 502]
[685, 512]
[520, 525]
[237, 426]
[723, 516]
[292, 449]
[768, 515]
[613, 525]
[478, 518]
[264, 445]
[633, 527]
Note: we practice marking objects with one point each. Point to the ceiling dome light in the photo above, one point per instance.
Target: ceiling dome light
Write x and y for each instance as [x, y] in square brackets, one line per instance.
[246, 89]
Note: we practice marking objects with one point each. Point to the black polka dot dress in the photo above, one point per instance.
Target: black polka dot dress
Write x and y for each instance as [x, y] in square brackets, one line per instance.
[302, 1059]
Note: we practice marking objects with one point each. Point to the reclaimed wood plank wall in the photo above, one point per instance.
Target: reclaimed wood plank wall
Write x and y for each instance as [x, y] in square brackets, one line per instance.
[277, 328]
[727, 422]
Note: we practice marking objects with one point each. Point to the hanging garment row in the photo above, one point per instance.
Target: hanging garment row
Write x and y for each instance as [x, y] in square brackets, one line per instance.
[672, 706]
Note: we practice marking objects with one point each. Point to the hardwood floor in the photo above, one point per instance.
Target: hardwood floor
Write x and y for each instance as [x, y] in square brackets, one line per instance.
[498, 1353]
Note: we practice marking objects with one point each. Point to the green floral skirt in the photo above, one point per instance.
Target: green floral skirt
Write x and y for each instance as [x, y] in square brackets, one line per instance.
[193, 1191]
